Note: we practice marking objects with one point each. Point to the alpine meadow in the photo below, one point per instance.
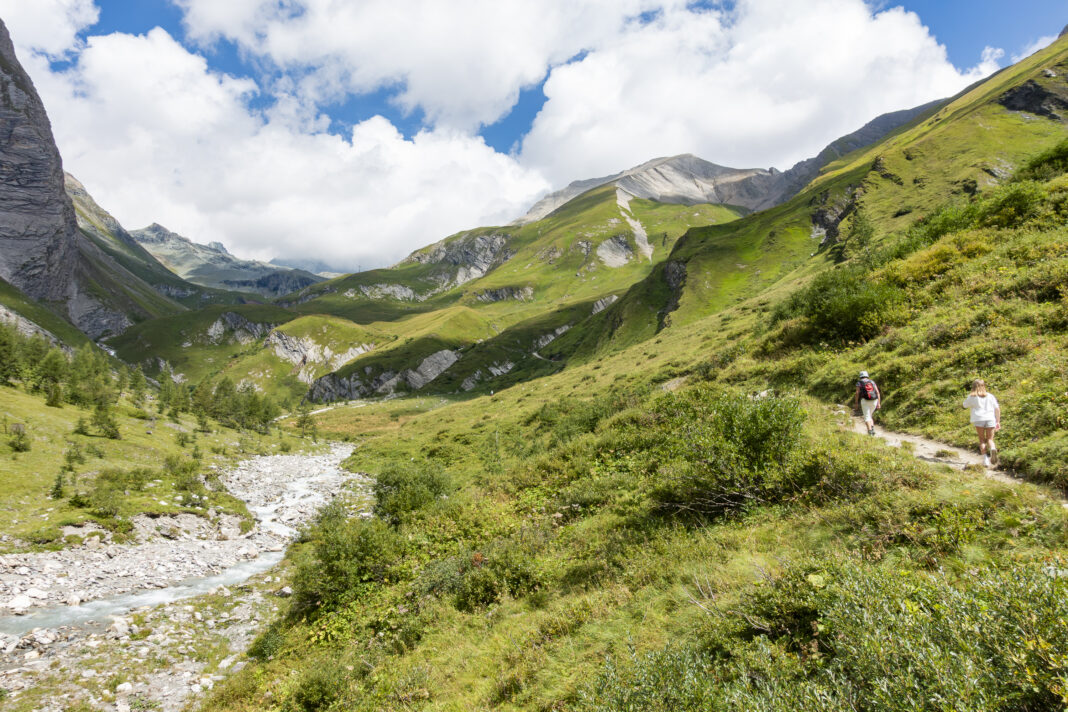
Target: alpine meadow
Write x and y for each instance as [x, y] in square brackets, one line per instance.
[599, 458]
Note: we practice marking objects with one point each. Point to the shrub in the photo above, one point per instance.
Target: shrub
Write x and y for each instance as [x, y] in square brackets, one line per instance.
[321, 685]
[345, 554]
[1046, 165]
[844, 304]
[20, 439]
[724, 451]
[1011, 205]
[404, 488]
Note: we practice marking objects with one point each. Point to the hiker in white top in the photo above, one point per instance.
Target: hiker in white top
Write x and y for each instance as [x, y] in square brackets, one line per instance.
[986, 417]
[870, 399]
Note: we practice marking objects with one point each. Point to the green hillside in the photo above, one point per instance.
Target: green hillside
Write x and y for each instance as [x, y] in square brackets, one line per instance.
[677, 517]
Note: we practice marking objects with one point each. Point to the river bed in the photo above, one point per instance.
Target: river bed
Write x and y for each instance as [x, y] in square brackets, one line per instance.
[168, 585]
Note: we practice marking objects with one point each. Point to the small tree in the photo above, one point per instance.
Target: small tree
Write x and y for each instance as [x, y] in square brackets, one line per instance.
[306, 422]
[19, 441]
[57, 487]
[104, 421]
[82, 426]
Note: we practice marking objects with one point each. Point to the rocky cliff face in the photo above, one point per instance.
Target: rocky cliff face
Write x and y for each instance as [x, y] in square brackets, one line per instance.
[309, 356]
[37, 224]
[333, 387]
[42, 251]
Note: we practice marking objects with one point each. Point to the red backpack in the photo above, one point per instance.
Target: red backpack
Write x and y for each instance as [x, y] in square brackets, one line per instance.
[868, 391]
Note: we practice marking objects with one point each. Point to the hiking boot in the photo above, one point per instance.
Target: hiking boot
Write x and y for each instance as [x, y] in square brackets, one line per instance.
[986, 461]
[871, 430]
[994, 457]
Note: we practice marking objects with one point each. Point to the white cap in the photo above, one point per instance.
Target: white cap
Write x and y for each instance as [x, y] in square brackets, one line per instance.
[863, 374]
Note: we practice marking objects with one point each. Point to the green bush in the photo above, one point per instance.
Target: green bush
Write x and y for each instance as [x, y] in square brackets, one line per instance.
[346, 553]
[850, 636]
[843, 304]
[1011, 205]
[320, 686]
[724, 452]
[406, 487]
[1046, 165]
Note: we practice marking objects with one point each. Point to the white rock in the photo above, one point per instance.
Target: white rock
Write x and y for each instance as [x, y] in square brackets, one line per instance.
[22, 601]
[37, 593]
[120, 626]
[74, 600]
[124, 687]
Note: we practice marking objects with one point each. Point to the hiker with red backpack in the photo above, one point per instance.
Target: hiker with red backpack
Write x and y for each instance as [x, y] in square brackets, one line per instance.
[869, 399]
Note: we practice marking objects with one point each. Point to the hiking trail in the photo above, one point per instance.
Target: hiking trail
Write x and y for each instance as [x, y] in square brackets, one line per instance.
[938, 453]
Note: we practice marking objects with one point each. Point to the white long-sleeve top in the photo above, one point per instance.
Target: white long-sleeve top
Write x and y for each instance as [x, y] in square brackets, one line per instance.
[984, 408]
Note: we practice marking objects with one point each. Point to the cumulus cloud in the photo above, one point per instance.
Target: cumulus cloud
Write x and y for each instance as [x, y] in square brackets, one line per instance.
[1040, 43]
[47, 26]
[462, 62]
[157, 136]
[769, 83]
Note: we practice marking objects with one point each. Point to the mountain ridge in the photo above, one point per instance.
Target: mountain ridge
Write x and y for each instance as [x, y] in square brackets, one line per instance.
[212, 265]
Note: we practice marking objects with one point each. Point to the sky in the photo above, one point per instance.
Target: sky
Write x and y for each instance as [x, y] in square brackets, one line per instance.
[352, 132]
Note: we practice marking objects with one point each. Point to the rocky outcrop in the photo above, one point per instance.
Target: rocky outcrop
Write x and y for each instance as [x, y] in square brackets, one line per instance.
[675, 277]
[615, 251]
[495, 369]
[603, 303]
[333, 387]
[546, 339]
[391, 291]
[1048, 99]
[24, 326]
[465, 257]
[237, 328]
[830, 212]
[519, 294]
[309, 356]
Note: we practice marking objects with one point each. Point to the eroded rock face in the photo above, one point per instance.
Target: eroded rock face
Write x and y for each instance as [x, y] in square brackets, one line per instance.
[1048, 100]
[603, 303]
[333, 387]
[471, 256]
[37, 223]
[237, 328]
[615, 251]
[520, 294]
[307, 354]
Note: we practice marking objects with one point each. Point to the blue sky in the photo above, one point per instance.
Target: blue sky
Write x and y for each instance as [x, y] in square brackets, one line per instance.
[965, 27]
[355, 132]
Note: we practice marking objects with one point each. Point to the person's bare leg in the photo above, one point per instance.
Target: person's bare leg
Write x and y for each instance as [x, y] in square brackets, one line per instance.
[981, 432]
[991, 448]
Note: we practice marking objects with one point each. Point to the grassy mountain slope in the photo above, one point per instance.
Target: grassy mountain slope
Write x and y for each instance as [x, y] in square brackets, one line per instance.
[588, 541]
[107, 234]
[971, 143]
[187, 344]
[33, 311]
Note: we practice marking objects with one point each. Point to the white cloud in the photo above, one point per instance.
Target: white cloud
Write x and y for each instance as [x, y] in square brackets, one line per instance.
[156, 136]
[463, 62]
[47, 26]
[1040, 43]
[769, 84]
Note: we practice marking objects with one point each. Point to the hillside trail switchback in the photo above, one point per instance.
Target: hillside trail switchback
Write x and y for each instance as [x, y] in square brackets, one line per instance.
[938, 453]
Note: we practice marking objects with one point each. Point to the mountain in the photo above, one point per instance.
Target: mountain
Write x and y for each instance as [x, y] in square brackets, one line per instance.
[314, 266]
[213, 266]
[43, 254]
[107, 234]
[688, 179]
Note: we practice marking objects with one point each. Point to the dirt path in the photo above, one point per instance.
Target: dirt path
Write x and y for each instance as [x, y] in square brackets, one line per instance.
[938, 453]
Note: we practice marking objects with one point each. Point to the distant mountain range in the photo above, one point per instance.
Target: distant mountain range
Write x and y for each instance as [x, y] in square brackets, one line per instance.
[690, 180]
[212, 265]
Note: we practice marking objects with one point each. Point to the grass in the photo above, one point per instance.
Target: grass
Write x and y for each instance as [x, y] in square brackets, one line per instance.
[33, 519]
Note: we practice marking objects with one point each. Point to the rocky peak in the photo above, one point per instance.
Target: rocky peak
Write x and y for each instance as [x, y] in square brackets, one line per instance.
[38, 229]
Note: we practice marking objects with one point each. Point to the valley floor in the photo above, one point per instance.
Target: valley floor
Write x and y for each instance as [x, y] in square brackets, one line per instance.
[190, 608]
